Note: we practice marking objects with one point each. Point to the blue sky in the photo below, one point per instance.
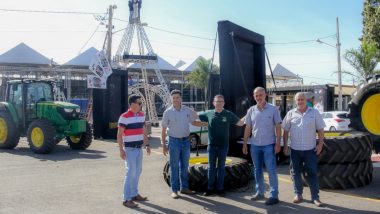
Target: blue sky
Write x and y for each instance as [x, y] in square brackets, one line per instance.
[62, 36]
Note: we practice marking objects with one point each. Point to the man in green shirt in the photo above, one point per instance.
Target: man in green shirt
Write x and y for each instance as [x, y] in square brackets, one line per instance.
[219, 122]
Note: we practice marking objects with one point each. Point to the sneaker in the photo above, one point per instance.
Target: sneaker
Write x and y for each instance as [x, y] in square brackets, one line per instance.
[209, 193]
[130, 204]
[257, 197]
[139, 198]
[272, 201]
[221, 193]
[174, 195]
[297, 199]
[318, 203]
[187, 192]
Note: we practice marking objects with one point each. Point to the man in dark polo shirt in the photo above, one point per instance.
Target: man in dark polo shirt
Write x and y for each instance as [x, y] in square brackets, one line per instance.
[219, 122]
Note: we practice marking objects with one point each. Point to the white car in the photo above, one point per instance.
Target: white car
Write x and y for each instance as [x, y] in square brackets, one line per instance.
[336, 120]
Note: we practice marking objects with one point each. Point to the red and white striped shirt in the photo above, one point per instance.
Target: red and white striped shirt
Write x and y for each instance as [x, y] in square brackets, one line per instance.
[134, 128]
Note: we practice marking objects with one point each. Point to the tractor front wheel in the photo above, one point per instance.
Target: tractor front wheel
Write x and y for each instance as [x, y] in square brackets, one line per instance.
[9, 134]
[41, 136]
[81, 141]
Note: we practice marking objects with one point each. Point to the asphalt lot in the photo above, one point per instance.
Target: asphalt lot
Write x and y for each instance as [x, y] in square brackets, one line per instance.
[90, 181]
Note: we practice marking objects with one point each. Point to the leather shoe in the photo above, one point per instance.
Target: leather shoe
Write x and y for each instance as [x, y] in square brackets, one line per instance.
[297, 199]
[221, 193]
[318, 203]
[209, 193]
[139, 198]
[257, 197]
[130, 204]
[187, 192]
[272, 201]
[174, 195]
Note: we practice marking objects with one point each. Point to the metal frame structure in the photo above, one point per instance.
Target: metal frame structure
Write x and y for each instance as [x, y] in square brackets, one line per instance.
[123, 58]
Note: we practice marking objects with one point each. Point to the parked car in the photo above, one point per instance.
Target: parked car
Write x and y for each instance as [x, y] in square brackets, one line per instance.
[198, 135]
[336, 120]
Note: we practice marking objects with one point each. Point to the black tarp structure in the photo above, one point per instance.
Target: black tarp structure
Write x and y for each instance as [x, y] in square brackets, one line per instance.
[242, 68]
[109, 104]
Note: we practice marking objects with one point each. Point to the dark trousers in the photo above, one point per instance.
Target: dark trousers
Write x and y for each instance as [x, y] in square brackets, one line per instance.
[216, 162]
[307, 160]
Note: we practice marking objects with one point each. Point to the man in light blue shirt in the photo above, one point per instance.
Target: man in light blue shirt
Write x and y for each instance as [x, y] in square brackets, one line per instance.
[302, 123]
[263, 121]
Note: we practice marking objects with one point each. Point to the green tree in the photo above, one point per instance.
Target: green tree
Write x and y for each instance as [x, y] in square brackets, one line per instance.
[371, 22]
[199, 77]
[364, 60]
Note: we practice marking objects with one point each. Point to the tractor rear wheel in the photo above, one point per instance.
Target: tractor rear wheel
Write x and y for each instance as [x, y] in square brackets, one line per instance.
[9, 134]
[81, 141]
[41, 136]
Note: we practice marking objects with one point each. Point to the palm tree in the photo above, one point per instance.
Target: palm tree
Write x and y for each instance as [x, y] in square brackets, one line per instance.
[364, 60]
[199, 77]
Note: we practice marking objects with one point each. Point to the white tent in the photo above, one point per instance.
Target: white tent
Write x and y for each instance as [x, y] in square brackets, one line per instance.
[23, 54]
[83, 59]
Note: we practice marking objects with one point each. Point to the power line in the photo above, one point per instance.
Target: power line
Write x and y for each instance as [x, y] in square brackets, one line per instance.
[96, 29]
[298, 42]
[50, 11]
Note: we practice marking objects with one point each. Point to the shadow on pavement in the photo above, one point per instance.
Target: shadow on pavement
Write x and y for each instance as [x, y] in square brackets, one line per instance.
[286, 207]
[60, 153]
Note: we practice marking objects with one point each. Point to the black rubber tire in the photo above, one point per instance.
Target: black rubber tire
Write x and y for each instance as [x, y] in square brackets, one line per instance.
[332, 129]
[346, 149]
[344, 176]
[13, 135]
[85, 139]
[237, 174]
[49, 136]
[194, 141]
[376, 143]
[364, 91]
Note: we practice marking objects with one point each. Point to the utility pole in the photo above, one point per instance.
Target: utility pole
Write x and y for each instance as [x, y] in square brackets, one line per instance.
[340, 99]
[109, 32]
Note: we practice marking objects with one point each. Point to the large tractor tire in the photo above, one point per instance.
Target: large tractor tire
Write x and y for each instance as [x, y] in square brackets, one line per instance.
[9, 134]
[41, 136]
[364, 108]
[82, 141]
[346, 148]
[237, 173]
[343, 176]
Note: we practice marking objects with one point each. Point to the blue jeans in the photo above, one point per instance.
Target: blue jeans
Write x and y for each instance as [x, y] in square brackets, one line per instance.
[216, 156]
[133, 165]
[265, 155]
[307, 160]
[179, 154]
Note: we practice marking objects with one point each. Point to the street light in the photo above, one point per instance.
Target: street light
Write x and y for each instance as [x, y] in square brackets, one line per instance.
[337, 46]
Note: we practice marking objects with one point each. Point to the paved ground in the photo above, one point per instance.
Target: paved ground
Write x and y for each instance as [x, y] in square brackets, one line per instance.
[90, 181]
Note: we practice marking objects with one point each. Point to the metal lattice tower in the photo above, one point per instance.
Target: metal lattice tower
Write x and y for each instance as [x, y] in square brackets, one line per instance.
[146, 56]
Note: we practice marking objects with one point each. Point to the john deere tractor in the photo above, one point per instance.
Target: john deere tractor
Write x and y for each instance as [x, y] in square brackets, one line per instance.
[30, 111]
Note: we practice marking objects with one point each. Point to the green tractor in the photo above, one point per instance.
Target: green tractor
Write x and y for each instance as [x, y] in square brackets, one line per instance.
[30, 111]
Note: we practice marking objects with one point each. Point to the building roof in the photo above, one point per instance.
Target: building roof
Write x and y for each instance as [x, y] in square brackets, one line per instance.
[179, 63]
[23, 54]
[190, 66]
[280, 70]
[83, 59]
[162, 65]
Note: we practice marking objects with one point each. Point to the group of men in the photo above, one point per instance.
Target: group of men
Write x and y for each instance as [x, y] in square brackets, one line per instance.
[263, 131]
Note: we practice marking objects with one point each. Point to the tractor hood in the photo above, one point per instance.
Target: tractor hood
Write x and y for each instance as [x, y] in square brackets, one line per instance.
[65, 105]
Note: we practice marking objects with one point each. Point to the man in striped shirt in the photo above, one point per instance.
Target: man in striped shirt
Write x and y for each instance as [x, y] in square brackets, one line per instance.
[131, 136]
